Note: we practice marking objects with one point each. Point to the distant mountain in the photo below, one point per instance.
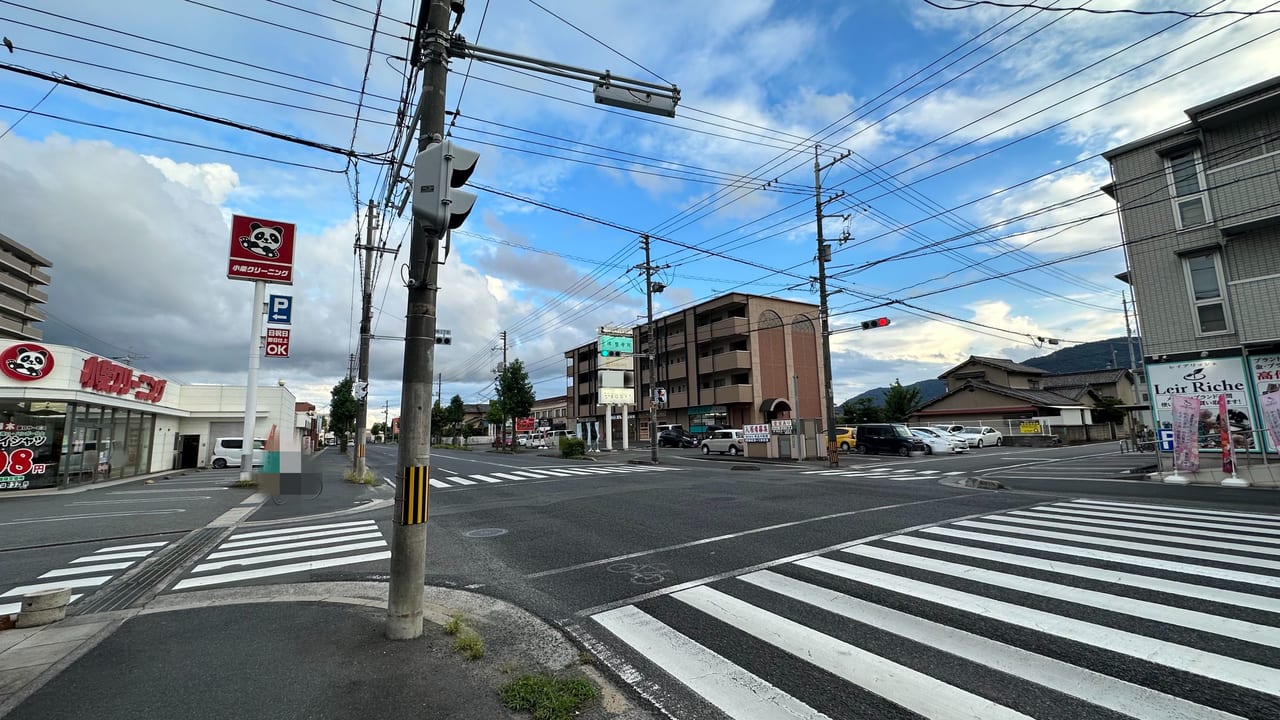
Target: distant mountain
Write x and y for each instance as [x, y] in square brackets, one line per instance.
[1088, 356]
[1077, 358]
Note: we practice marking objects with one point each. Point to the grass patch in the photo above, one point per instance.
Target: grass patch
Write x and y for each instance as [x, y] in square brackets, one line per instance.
[242, 483]
[466, 640]
[368, 479]
[546, 697]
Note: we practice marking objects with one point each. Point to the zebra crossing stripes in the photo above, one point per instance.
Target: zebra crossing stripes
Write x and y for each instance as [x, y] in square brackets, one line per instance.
[883, 473]
[986, 618]
[83, 574]
[258, 554]
[459, 481]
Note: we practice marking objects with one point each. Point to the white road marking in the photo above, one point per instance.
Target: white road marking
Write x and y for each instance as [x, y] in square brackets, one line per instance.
[486, 478]
[437, 483]
[139, 500]
[362, 535]
[1204, 622]
[1174, 523]
[1139, 560]
[101, 555]
[1123, 697]
[135, 546]
[90, 516]
[1197, 662]
[274, 557]
[71, 583]
[1176, 509]
[86, 569]
[898, 684]
[1018, 518]
[280, 570]
[303, 528]
[735, 691]
[232, 543]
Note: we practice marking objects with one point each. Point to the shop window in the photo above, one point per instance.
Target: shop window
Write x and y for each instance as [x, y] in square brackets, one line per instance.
[31, 439]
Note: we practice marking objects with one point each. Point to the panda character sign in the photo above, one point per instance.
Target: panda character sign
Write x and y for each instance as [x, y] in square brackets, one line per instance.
[261, 250]
[26, 362]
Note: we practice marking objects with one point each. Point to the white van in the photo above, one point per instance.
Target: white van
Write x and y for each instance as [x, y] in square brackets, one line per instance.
[226, 452]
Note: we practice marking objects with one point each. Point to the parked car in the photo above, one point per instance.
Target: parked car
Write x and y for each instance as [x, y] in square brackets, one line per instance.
[226, 452]
[949, 429]
[982, 436]
[890, 438]
[939, 444]
[674, 438]
[724, 441]
[955, 443]
[845, 439]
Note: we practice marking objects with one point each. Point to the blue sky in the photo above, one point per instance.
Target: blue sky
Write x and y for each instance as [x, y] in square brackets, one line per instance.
[970, 182]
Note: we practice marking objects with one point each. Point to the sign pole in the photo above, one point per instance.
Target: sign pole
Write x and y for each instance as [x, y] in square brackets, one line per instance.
[251, 388]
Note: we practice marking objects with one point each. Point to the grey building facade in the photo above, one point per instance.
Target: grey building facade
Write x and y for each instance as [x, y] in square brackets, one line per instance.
[1199, 209]
[22, 282]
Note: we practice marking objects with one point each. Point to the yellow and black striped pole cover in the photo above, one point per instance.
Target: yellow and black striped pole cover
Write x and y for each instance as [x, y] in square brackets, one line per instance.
[413, 502]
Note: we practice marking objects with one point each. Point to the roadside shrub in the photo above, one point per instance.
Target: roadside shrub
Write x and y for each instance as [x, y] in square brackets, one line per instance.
[571, 447]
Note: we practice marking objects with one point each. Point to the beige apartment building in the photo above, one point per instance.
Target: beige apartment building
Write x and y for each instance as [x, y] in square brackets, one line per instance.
[22, 282]
[735, 360]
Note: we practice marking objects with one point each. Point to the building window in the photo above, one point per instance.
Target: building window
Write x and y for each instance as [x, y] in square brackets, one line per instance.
[1204, 280]
[1187, 186]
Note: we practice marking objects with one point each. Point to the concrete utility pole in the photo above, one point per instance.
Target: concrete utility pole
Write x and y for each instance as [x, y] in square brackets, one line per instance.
[650, 287]
[366, 331]
[502, 431]
[824, 254]
[409, 540]
[1128, 333]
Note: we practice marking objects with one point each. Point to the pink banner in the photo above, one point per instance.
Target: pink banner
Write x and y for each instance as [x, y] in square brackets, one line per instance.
[1224, 436]
[1271, 415]
[1186, 432]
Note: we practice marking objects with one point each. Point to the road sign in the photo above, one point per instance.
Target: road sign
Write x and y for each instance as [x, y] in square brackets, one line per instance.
[278, 342]
[610, 344]
[1166, 439]
[280, 309]
[261, 250]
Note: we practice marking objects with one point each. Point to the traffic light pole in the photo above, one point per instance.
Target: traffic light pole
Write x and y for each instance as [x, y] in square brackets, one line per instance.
[652, 355]
[409, 541]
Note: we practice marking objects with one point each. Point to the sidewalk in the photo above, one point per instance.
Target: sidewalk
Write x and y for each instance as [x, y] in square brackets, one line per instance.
[285, 651]
[1256, 474]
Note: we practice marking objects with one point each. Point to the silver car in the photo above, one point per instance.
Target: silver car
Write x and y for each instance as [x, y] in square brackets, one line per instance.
[724, 441]
[939, 441]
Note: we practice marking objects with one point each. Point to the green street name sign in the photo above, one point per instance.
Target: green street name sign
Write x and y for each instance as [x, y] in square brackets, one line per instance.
[612, 344]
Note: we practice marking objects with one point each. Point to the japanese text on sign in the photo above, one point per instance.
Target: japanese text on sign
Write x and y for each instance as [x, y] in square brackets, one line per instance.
[102, 375]
[755, 433]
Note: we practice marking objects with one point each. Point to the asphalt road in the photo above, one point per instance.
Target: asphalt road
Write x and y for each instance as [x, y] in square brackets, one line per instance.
[772, 576]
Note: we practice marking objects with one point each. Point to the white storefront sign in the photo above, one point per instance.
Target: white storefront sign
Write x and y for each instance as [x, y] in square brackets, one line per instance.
[1205, 379]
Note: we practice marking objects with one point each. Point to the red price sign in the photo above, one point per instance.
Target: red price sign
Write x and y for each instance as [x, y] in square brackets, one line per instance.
[19, 462]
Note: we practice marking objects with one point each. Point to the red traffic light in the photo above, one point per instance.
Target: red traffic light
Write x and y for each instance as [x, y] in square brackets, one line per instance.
[877, 323]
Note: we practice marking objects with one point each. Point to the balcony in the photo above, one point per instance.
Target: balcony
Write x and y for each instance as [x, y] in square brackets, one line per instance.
[733, 394]
[677, 400]
[673, 341]
[724, 328]
[675, 371]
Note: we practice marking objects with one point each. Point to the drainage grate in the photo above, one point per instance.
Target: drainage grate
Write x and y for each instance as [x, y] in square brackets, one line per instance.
[147, 578]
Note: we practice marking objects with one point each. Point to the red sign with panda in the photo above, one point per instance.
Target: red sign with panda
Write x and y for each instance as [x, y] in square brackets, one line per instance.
[261, 250]
[26, 362]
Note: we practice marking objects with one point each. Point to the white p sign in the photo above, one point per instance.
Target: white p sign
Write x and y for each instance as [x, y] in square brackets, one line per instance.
[280, 309]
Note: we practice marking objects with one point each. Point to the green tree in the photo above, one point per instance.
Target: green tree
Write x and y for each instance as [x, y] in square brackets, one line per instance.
[438, 413]
[342, 412]
[514, 395]
[378, 428]
[900, 402]
[1108, 411]
[862, 410]
[457, 411]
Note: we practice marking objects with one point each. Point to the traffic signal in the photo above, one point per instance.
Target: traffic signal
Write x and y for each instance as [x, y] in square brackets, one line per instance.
[877, 323]
[438, 172]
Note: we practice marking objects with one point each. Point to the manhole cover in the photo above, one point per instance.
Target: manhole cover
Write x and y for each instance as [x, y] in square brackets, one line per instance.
[485, 532]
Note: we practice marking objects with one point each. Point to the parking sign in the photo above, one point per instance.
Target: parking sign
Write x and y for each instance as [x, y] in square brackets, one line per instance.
[280, 309]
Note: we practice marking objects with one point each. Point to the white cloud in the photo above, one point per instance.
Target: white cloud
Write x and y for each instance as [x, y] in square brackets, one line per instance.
[212, 182]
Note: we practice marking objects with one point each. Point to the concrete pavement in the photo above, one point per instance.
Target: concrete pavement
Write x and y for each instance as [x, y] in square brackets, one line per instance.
[285, 651]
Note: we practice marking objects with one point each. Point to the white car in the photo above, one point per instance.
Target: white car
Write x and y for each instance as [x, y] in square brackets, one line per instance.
[724, 441]
[938, 441]
[982, 436]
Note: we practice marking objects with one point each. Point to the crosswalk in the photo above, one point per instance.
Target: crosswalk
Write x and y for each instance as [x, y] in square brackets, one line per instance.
[82, 575]
[885, 472]
[453, 481]
[255, 554]
[1077, 609]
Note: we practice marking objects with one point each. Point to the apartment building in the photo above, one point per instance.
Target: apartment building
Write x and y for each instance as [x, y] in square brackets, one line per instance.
[22, 282]
[734, 360]
[1199, 209]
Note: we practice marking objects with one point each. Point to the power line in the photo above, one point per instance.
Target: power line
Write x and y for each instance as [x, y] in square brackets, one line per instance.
[598, 41]
[281, 26]
[967, 4]
[39, 102]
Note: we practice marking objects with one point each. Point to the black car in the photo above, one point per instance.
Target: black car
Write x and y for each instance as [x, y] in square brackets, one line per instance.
[888, 438]
[676, 439]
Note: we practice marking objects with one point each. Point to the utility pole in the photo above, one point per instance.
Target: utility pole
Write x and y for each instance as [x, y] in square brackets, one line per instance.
[366, 330]
[440, 389]
[824, 254]
[408, 536]
[502, 431]
[1128, 333]
[351, 366]
[650, 287]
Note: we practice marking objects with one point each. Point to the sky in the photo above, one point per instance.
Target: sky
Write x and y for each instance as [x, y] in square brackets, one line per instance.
[959, 152]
